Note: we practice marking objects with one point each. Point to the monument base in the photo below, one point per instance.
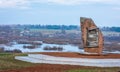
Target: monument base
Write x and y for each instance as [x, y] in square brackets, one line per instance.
[93, 54]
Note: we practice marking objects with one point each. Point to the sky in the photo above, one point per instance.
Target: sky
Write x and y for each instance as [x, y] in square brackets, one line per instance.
[59, 12]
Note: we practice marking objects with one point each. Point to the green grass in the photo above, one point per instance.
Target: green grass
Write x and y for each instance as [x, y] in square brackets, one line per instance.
[45, 31]
[7, 61]
[113, 69]
[52, 31]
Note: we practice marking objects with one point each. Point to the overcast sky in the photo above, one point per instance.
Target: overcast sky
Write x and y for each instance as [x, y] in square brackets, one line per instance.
[68, 12]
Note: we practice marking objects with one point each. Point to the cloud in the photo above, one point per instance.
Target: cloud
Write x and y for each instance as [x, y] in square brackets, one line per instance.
[77, 2]
[13, 3]
[27, 3]
[116, 8]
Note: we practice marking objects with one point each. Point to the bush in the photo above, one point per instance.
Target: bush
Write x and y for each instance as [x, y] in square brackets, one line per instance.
[29, 47]
[13, 51]
[17, 51]
[2, 49]
[53, 48]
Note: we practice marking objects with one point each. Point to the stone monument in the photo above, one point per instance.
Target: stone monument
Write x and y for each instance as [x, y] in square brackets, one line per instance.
[91, 36]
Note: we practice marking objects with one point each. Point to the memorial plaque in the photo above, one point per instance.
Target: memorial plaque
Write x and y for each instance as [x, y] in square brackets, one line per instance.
[92, 38]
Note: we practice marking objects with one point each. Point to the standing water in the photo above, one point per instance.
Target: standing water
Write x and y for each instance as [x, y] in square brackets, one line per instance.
[40, 48]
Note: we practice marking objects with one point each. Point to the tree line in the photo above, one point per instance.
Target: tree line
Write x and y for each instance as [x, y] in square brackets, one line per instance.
[56, 27]
[114, 29]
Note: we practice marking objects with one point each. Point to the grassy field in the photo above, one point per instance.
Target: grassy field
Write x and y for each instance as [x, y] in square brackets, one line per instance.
[96, 70]
[52, 31]
[8, 62]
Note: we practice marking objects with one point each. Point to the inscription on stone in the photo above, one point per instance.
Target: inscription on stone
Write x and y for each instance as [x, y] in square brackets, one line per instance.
[92, 38]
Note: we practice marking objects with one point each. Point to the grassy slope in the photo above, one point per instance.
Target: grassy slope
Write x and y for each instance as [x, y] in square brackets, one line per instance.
[7, 61]
[96, 70]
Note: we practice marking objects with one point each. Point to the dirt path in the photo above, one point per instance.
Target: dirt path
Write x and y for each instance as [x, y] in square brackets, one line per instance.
[47, 68]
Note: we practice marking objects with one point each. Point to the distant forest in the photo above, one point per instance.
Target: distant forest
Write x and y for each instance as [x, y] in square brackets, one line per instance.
[115, 29]
[56, 27]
